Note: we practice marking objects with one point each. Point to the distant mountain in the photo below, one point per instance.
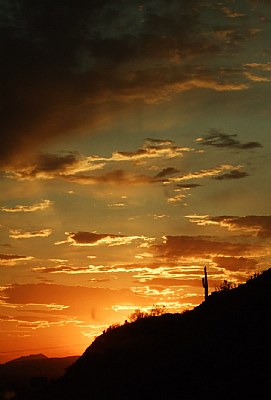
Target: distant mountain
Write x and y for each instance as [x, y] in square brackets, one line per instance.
[17, 375]
[26, 359]
[218, 351]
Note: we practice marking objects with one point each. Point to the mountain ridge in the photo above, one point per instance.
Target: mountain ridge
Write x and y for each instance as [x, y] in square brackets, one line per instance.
[26, 359]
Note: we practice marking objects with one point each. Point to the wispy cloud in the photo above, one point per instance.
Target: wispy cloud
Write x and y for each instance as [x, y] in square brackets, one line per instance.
[205, 173]
[116, 177]
[53, 165]
[78, 303]
[232, 13]
[96, 239]
[219, 139]
[234, 174]
[72, 165]
[152, 148]
[181, 192]
[64, 269]
[256, 78]
[188, 185]
[236, 263]
[178, 196]
[204, 247]
[31, 208]
[12, 259]
[260, 66]
[167, 172]
[258, 225]
[21, 234]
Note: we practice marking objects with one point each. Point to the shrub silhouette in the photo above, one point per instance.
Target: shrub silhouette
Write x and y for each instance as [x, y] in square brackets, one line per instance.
[155, 311]
[226, 285]
[111, 327]
[137, 314]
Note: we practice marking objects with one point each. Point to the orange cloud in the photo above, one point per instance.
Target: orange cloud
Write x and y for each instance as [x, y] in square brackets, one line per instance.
[117, 177]
[169, 282]
[198, 246]
[179, 197]
[64, 269]
[32, 208]
[12, 259]
[55, 165]
[69, 166]
[96, 239]
[236, 263]
[220, 139]
[234, 174]
[205, 173]
[258, 225]
[232, 14]
[20, 234]
[152, 148]
[256, 78]
[260, 66]
[78, 302]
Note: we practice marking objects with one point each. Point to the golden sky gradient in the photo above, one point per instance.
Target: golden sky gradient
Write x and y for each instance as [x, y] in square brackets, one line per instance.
[135, 149]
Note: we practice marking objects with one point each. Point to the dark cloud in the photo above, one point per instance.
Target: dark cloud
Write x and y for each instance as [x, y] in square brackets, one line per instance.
[235, 174]
[123, 177]
[158, 142]
[55, 162]
[52, 165]
[82, 301]
[196, 246]
[67, 269]
[219, 139]
[133, 154]
[49, 165]
[167, 172]
[67, 66]
[168, 282]
[46, 165]
[236, 263]
[260, 225]
[153, 148]
[6, 257]
[188, 185]
[116, 177]
[12, 259]
[90, 238]
[95, 239]
[67, 164]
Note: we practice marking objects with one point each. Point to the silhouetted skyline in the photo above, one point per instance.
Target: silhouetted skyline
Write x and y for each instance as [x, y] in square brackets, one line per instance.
[135, 149]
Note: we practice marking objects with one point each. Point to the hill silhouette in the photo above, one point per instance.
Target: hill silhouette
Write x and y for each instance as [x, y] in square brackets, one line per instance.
[219, 350]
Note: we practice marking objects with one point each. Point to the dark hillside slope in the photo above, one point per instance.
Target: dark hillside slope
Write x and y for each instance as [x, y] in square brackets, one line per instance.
[220, 350]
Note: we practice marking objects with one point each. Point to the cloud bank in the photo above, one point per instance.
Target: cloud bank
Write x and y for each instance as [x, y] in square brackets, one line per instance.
[66, 68]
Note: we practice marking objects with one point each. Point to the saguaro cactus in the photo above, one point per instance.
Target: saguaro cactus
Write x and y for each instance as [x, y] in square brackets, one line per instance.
[205, 283]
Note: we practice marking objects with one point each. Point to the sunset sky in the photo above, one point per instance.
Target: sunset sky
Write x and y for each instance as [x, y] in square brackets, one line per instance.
[135, 149]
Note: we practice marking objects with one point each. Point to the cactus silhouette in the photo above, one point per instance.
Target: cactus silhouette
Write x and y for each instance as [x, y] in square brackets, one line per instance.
[205, 283]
